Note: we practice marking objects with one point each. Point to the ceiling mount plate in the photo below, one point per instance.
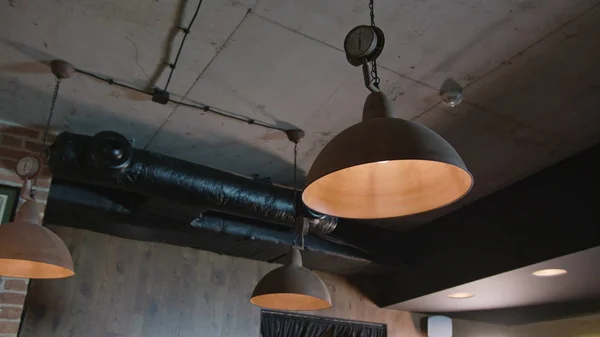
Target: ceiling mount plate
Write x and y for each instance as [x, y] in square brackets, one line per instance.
[452, 98]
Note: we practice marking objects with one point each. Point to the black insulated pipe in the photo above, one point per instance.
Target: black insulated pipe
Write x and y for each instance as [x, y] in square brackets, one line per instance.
[133, 217]
[73, 157]
[174, 187]
[256, 231]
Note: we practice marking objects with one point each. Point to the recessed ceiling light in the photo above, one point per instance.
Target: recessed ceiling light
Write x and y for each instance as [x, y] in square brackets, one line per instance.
[461, 295]
[549, 272]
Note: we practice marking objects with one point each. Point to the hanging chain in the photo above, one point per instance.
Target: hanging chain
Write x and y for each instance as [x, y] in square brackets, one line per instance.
[372, 10]
[374, 75]
[49, 121]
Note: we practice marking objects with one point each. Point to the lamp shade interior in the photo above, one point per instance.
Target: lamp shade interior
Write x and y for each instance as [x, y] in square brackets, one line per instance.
[387, 189]
[383, 168]
[32, 269]
[293, 302]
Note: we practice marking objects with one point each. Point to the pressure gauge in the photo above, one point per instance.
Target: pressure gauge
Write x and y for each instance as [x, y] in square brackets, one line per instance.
[363, 43]
[28, 167]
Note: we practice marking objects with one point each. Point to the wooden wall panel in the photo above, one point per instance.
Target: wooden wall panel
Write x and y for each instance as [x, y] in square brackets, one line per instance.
[127, 288]
[134, 289]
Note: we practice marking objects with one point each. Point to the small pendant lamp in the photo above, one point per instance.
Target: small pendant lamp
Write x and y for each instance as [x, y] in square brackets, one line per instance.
[385, 167]
[291, 286]
[29, 250]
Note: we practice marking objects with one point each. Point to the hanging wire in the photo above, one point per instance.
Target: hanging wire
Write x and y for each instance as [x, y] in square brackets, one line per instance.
[199, 106]
[295, 179]
[297, 214]
[300, 224]
[33, 186]
[52, 105]
[228, 114]
[296, 234]
[186, 32]
[376, 79]
[112, 81]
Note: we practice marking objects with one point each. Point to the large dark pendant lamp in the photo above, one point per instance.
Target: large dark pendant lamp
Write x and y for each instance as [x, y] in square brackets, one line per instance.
[383, 167]
[29, 250]
[291, 286]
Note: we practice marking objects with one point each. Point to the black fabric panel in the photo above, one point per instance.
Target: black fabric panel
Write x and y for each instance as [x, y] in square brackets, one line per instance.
[357, 330]
[294, 325]
[289, 326]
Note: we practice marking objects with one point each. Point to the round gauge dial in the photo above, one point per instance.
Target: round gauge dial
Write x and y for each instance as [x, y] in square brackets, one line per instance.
[361, 41]
[28, 167]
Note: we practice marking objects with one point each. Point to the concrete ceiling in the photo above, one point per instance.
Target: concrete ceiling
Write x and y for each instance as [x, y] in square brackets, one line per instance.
[529, 68]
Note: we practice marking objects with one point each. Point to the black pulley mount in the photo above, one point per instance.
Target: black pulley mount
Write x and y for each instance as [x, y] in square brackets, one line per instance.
[111, 150]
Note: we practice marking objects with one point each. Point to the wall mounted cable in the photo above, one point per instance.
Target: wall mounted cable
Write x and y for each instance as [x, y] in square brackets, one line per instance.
[199, 106]
[62, 69]
[185, 31]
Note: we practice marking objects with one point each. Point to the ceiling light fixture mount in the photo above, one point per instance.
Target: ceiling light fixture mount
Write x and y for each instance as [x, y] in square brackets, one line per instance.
[549, 272]
[452, 98]
[383, 167]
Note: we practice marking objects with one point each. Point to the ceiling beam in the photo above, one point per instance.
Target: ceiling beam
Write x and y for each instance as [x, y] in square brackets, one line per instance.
[530, 314]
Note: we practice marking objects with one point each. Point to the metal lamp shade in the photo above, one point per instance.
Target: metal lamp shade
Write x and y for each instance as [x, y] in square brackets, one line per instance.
[291, 287]
[29, 250]
[385, 167]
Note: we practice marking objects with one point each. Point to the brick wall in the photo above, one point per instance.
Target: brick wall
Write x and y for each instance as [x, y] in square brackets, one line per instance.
[12, 296]
[15, 142]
